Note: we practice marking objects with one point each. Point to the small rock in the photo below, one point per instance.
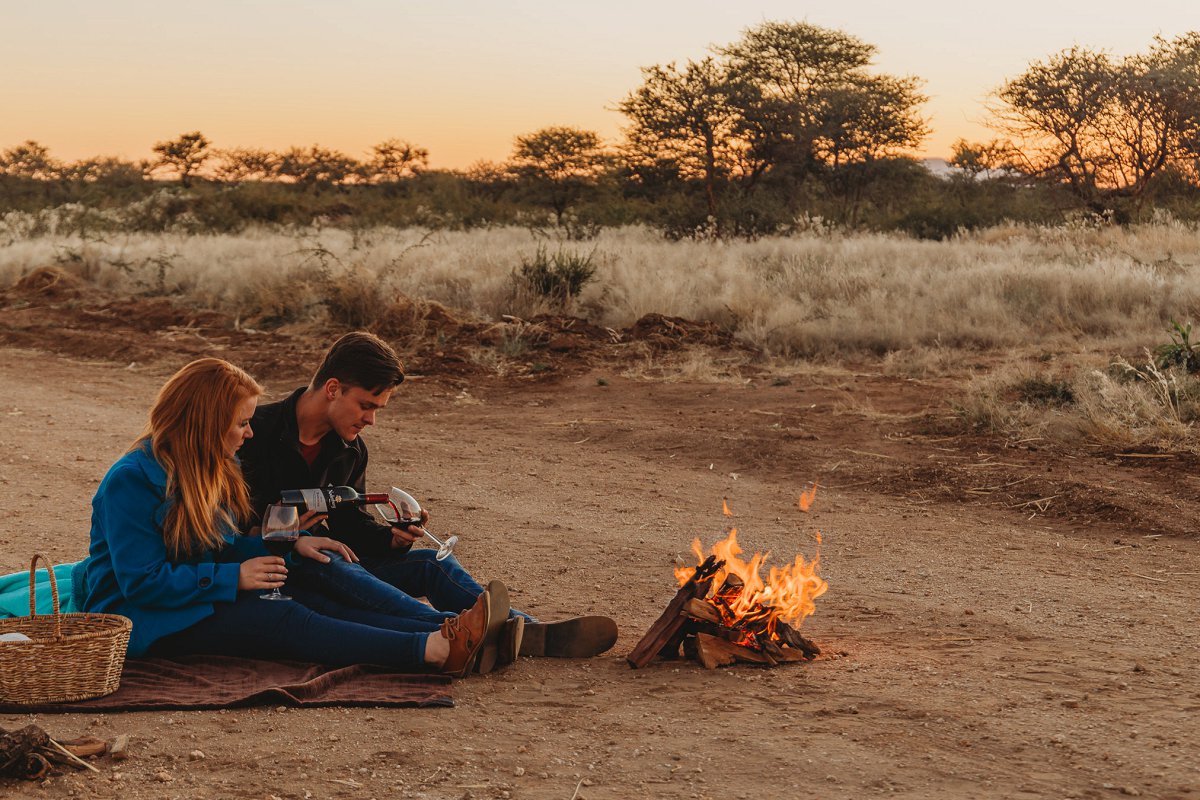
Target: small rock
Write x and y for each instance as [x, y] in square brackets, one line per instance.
[522, 748]
[1071, 703]
[163, 777]
[333, 737]
[1132, 791]
[518, 771]
[1137, 667]
[196, 755]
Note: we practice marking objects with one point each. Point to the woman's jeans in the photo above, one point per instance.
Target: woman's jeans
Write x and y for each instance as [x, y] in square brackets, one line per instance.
[336, 634]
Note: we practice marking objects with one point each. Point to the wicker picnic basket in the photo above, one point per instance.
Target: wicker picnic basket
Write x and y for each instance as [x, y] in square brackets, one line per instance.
[68, 657]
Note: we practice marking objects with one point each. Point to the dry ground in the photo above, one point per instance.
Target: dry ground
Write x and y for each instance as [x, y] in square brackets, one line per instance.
[980, 639]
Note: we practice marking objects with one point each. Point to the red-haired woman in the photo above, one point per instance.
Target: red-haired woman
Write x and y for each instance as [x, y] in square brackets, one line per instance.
[165, 549]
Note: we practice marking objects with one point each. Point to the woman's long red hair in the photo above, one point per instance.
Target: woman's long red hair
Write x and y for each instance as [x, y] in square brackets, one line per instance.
[188, 422]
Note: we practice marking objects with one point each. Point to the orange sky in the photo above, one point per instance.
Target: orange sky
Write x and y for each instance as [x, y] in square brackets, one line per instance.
[463, 78]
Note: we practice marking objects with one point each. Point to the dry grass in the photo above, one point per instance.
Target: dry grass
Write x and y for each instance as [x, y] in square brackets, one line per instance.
[1117, 405]
[1064, 299]
[800, 296]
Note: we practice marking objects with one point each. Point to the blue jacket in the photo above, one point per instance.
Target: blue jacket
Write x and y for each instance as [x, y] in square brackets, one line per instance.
[128, 571]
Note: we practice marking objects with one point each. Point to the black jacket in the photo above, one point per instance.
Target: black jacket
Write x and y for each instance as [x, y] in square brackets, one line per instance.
[271, 462]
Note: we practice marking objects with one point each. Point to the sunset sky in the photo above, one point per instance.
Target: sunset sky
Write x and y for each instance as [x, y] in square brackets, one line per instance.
[463, 78]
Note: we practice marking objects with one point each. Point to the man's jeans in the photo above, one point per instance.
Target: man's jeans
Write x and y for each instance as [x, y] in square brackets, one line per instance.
[391, 583]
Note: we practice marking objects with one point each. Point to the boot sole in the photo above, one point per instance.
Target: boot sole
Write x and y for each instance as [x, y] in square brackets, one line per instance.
[489, 654]
[580, 637]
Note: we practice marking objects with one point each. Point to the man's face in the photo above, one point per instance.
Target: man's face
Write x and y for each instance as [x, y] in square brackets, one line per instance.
[353, 408]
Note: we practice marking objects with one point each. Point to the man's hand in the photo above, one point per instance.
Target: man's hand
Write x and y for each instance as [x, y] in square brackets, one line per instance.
[311, 547]
[264, 572]
[404, 537]
[311, 519]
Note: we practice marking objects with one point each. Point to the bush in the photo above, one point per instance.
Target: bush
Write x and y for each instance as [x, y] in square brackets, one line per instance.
[559, 277]
[1180, 351]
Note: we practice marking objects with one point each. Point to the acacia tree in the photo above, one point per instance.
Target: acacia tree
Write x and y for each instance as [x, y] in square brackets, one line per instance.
[806, 98]
[1102, 126]
[395, 159]
[558, 164]
[684, 120]
[183, 156]
[868, 117]
[29, 160]
[246, 164]
[317, 166]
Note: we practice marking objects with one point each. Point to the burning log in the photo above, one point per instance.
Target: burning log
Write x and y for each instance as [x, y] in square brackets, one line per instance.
[665, 628]
[713, 652]
[745, 618]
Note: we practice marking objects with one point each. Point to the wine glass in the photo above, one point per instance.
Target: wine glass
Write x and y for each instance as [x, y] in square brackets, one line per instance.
[280, 530]
[403, 510]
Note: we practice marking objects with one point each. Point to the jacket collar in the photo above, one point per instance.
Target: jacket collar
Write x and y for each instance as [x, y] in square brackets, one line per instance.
[289, 429]
[144, 456]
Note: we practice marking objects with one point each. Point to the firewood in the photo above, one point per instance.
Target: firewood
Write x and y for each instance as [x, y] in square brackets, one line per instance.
[732, 584]
[670, 650]
[669, 623]
[702, 610]
[32, 766]
[85, 746]
[716, 652]
[792, 638]
[16, 745]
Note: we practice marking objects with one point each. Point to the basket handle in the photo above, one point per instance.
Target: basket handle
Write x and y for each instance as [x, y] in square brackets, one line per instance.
[53, 591]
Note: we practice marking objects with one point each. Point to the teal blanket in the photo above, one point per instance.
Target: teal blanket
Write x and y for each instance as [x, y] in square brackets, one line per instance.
[14, 592]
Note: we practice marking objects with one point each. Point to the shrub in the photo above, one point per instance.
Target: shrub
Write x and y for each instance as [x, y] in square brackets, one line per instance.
[1180, 351]
[559, 277]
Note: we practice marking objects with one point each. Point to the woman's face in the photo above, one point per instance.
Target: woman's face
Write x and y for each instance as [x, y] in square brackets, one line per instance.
[240, 431]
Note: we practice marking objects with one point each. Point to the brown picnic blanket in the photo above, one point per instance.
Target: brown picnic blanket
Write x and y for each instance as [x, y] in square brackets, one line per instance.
[211, 682]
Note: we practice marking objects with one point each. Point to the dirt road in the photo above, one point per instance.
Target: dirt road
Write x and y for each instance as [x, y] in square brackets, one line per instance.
[970, 650]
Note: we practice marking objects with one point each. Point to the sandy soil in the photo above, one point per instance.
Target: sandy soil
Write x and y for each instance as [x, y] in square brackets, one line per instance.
[980, 640]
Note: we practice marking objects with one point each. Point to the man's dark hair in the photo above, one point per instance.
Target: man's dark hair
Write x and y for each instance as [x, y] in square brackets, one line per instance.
[361, 359]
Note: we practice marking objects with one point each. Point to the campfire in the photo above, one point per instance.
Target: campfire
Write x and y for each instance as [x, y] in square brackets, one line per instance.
[725, 612]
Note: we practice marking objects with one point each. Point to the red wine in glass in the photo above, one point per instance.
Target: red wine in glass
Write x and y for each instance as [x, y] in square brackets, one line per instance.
[280, 530]
[279, 545]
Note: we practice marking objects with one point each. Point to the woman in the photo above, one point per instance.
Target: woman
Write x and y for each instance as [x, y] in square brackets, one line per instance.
[165, 549]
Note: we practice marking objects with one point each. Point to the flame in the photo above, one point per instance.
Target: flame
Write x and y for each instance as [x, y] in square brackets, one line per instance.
[744, 598]
[807, 497]
[725, 508]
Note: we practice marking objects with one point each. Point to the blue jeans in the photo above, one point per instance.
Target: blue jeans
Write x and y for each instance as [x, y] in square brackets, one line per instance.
[391, 583]
[353, 585]
[251, 627]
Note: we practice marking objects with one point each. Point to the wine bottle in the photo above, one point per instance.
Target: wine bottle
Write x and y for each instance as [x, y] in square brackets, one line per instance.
[328, 498]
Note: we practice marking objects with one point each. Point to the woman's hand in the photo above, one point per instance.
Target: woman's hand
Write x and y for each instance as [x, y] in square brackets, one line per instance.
[311, 547]
[264, 572]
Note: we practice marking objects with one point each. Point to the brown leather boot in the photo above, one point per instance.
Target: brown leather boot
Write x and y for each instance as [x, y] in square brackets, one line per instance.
[489, 654]
[578, 637]
[465, 634]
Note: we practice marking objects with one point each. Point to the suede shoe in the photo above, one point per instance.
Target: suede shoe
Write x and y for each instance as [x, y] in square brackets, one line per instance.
[578, 637]
[498, 603]
[465, 634]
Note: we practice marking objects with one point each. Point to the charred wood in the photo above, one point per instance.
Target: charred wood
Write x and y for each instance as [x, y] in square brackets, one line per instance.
[668, 624]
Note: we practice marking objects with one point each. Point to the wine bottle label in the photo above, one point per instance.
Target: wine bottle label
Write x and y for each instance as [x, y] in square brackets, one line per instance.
[315, 500]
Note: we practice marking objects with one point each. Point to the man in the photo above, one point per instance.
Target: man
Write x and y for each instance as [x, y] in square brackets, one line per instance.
[312, 439]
